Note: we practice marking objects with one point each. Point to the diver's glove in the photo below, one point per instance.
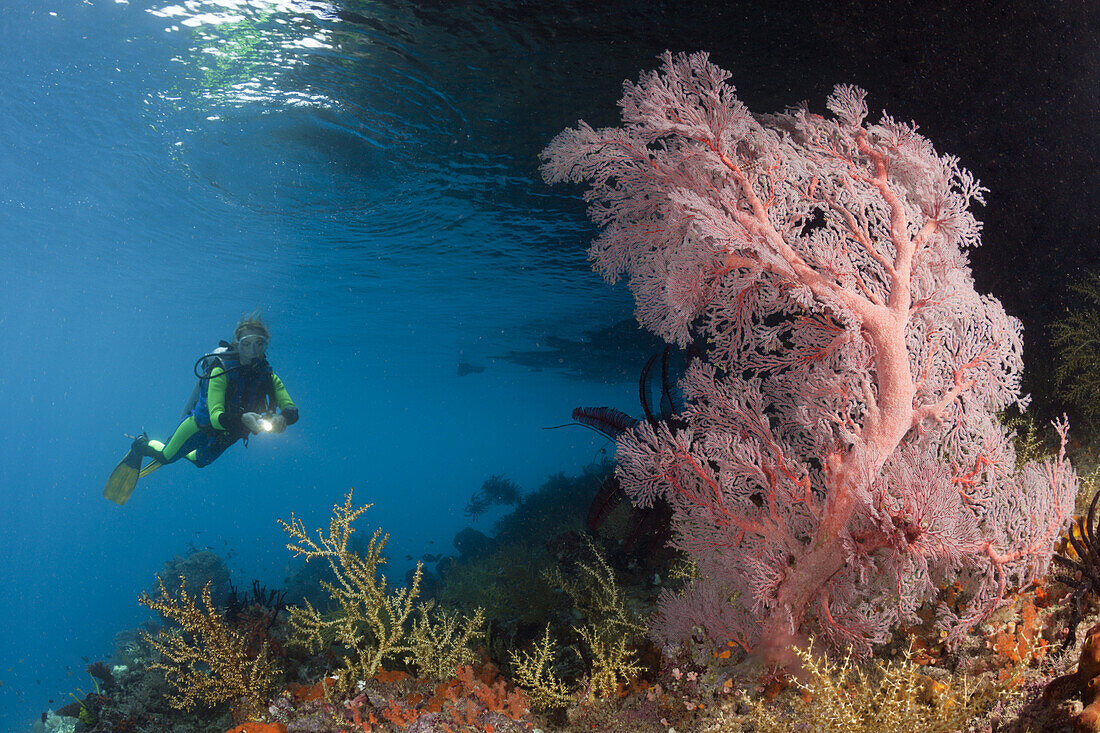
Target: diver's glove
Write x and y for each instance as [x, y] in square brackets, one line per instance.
[278, 423]
[290, 415]
[231, 423]
[251, 420]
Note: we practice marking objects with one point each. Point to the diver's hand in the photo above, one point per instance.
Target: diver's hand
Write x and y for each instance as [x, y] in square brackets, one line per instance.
[278, 423]
[251, 420]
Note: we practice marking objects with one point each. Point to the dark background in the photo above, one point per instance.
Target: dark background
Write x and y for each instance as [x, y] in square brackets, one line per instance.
[1010, 88]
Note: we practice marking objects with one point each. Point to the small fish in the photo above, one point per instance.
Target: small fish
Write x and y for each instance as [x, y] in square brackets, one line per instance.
[465, 368]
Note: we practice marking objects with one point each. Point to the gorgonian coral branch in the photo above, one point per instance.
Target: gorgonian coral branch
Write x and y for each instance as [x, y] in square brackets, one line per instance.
[826, 474]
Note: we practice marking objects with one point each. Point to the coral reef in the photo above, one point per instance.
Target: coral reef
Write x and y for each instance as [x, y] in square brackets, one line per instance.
[372, 623]
[582, 662]
[838, 459]
[497, 490]
[200, 568]
[204, 659]
[887, 697]
[558, 506]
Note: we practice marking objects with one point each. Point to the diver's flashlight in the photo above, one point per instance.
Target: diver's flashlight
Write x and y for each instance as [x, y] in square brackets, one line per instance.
[265, 424]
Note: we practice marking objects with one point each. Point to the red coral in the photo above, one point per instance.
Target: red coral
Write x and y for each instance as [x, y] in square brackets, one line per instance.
[466, 700]
[494, 693]
[387, 677]
[1023, 640]
[258, 728]
[400, 715]
[307, 693]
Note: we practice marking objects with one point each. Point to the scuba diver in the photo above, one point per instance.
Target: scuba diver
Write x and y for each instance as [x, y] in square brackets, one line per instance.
[236, 397]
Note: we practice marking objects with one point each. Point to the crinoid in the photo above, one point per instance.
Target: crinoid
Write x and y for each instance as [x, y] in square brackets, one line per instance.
[1085, 569]
[652, 522]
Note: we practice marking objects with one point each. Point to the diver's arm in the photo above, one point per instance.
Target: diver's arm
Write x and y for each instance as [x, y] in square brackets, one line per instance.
[282, 399]
[215, 403]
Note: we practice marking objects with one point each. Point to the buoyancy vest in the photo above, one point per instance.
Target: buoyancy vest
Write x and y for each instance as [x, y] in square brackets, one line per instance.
[247, 389]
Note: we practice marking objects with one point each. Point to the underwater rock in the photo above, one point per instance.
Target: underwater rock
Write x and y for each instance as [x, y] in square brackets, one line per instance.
[1083, 683]
[58, 724]
[130, 651]
[71, 710]
[445, 567]
[470, 542]
[198, 568]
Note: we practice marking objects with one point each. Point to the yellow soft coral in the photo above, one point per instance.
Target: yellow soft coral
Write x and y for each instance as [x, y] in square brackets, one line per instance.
[534, 672]
[613, 663]
[597, 596]
[205, 660]
[370, 620]
[886, 697]
[440, 641]
[611, 629]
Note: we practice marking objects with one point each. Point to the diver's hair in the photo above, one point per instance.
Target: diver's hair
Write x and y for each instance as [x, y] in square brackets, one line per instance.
[251, 322]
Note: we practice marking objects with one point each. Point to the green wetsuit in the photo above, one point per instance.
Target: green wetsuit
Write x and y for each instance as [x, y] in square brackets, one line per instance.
[200, 446]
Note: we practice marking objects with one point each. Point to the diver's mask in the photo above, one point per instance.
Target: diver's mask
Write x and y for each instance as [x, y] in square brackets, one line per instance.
[251, 348]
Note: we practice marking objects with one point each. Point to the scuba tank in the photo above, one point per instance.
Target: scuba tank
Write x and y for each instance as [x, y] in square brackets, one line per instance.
[207, 362]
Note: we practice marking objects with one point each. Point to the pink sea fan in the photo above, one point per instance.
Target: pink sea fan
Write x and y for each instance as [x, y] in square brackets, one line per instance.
[837, 460]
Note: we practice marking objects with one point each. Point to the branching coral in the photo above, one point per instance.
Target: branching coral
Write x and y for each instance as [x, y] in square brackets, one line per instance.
[371, 618]
[372, 621]
[597, 595]
[534, 672]
[610, 628]
[612, 662]
[892, 697]
[440, 645]
[205, 660]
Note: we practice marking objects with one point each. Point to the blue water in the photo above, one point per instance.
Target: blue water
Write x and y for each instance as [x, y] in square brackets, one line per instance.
[166, 170]
[367, 175]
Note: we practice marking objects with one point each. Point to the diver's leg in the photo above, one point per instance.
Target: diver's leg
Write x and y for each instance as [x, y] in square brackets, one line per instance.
[181, 443]
[211, 449]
